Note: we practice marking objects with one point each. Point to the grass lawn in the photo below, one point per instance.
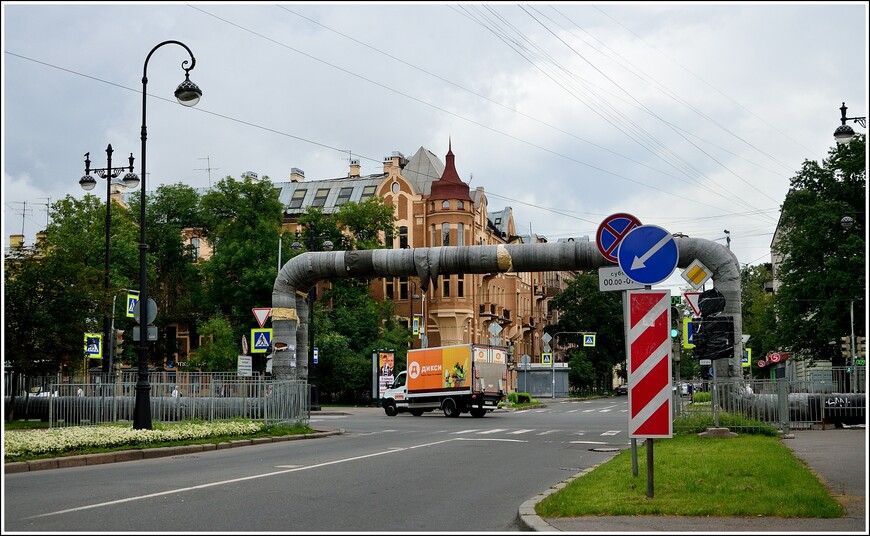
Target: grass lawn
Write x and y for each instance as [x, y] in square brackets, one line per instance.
[748, 475]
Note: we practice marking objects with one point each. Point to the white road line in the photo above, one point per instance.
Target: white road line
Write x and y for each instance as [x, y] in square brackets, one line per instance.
[465, 431]
[242, 479]
[549, 432]
[494, 430]
[612, 432]
[522, 431]
[590, 442]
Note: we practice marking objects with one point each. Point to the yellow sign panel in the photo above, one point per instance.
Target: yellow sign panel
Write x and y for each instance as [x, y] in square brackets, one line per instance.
[747, 358]
[94, 345]
[547, 359]
[687, 333]
[696, 274]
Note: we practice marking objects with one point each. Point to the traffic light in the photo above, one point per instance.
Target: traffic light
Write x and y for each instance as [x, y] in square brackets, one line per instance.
[860, 347]
[846, 345]
[676, 322]
[119, 342]
[713, 337]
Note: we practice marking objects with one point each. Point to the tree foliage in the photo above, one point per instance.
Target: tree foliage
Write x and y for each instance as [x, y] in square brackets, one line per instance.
[241, 219]
[759, 319]
[823, 269]
[584, 308]
[218, 351]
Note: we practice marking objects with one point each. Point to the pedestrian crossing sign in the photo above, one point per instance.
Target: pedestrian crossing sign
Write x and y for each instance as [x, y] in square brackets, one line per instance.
[94, 345]
[588, 340]
[132, 300]
[547, 359]
[262, 339]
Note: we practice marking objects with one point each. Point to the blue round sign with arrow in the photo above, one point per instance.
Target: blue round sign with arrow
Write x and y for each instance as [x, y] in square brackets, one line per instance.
[648, 254]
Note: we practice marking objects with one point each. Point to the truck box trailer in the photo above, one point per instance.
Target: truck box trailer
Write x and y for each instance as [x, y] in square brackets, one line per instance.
[466, 378]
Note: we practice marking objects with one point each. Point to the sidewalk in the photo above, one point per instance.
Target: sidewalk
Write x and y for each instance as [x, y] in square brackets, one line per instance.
[837, 456]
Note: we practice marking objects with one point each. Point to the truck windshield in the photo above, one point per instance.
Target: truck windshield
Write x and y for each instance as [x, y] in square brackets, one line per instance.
[399, 381]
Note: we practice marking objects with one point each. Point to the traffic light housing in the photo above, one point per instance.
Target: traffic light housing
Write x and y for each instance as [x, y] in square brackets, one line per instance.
[119, 342]
[676, 322]
[846, 346]
[860, 347]
[713, 337]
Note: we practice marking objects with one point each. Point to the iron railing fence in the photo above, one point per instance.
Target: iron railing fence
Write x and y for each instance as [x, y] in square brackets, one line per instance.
[210, 397]
[741, 405]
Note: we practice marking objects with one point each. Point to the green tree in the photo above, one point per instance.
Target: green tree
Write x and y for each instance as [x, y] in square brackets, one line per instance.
[823, 267]
[218, 351]
[584, 308]
[759, 319]
[175, 283]
[241, 219]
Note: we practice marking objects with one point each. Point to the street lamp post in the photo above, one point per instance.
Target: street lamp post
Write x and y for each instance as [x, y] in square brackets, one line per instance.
[844, 132]
[187, 94]
[87, 182]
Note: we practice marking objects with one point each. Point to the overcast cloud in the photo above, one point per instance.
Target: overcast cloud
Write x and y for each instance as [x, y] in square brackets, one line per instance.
[692, 117]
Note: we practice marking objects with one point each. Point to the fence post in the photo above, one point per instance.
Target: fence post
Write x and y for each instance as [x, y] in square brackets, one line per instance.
[782, 397]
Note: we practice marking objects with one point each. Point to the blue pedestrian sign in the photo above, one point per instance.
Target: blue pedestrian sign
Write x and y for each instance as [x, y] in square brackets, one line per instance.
[262, 339]
[588, 340]
[648, 254]
[132, 300]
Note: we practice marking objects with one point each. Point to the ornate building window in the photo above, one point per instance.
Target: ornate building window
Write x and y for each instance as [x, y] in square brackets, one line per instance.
[445, 234]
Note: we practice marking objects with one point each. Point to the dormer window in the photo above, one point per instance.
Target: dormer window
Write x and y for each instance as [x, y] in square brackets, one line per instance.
[320, 197]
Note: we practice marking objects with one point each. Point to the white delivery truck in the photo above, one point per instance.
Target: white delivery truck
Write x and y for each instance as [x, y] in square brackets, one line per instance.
[467, 378]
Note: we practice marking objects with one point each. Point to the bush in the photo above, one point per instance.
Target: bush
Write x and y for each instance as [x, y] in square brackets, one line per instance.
[702, 396]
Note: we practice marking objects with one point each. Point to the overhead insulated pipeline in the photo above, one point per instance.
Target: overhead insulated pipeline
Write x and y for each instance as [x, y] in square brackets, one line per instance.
[290, 314]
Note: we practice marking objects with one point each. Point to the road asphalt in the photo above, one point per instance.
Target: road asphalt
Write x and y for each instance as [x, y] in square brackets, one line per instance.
[837, 456]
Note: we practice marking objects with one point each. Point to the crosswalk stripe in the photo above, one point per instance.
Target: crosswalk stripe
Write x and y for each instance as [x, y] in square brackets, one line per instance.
[522, 431]
[494, 430]
[466, 431]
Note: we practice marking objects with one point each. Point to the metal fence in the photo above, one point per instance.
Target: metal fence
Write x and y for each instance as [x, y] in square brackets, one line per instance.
[200, 396]
[786, 404]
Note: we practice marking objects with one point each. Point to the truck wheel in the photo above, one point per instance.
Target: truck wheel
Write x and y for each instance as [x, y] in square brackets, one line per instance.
[478, 412]
[390, 408]
[416, 412]
[450, 408]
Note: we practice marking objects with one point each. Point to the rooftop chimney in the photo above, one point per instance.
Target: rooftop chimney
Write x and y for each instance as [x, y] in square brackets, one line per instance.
[296, 175]
[354, 168]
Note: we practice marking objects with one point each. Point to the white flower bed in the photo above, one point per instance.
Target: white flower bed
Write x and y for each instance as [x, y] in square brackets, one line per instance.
[60, 440]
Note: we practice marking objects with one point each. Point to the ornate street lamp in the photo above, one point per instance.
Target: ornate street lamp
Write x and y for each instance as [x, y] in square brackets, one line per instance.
[844, 132]
[187, 94]
[87, 182]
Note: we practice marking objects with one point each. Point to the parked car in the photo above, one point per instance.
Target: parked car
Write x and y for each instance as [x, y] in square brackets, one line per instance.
[622, 389]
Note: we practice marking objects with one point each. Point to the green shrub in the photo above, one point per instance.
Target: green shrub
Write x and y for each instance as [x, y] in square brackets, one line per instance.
[701, 396]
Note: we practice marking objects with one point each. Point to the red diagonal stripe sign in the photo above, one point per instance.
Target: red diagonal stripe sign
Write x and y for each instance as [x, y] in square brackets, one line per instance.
[649, 363]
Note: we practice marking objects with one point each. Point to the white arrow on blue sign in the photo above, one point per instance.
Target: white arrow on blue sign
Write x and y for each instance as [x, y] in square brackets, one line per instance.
[648, 254]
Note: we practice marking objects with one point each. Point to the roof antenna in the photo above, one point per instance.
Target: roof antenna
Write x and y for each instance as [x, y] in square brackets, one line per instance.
[207, 168]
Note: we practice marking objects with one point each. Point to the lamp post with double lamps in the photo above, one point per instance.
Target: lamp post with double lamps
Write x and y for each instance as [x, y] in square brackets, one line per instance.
[187, 94]
[87, 182]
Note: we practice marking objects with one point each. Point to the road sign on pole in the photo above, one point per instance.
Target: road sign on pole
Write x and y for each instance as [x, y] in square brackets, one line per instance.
[611, 232]
[647, 323]
[648, 254]
[261, 314]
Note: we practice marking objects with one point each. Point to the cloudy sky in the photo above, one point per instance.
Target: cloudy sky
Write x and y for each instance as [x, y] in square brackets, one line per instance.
[691, 117]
